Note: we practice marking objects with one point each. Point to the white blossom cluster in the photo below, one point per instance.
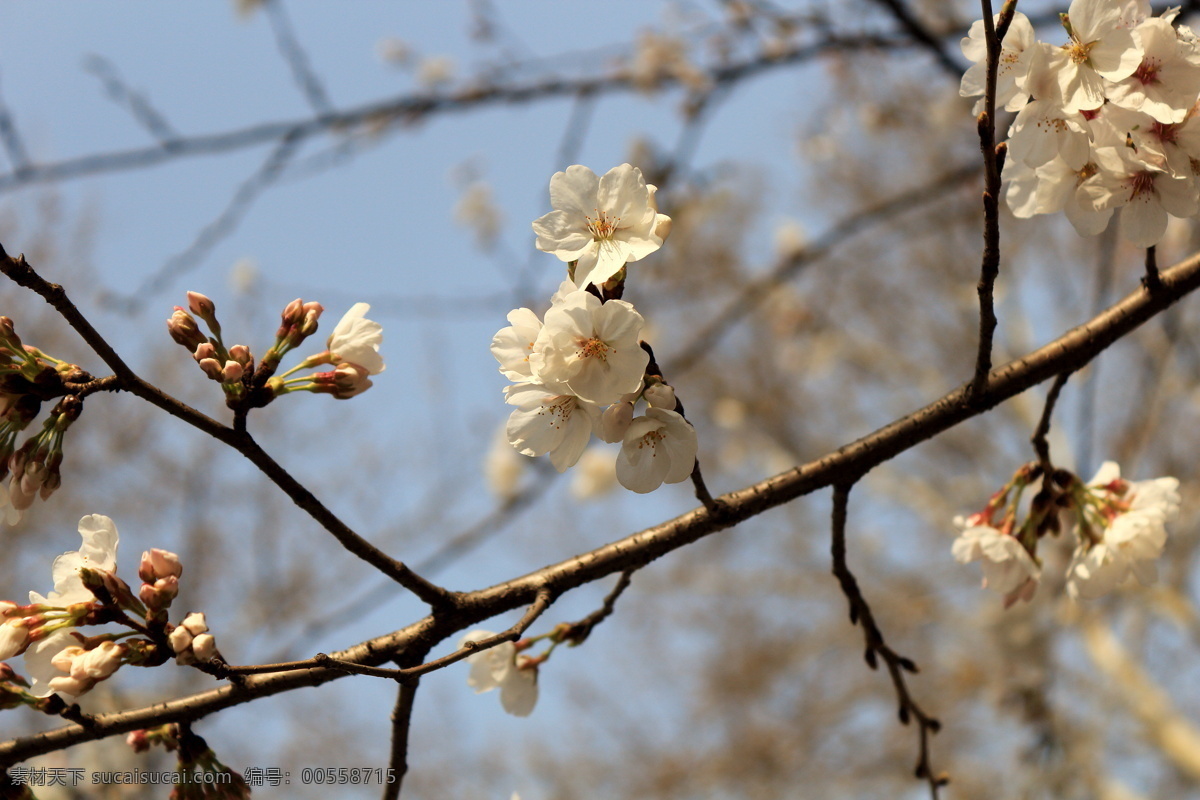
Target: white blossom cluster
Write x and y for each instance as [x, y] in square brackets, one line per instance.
[581, 370]
[1119, 528]
[87, 591]
[1106, 120]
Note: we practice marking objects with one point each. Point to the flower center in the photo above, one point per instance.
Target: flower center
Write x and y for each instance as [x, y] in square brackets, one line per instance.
[559, 409]
[651, 440]
[601, 225]
[1147, 71]
[1141, 184]
[1079, 51]
[594, 348]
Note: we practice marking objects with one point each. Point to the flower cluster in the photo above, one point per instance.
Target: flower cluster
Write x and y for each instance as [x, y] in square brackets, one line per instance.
[28, 377]
[87, 591]
[1119, 528]
[586, 353]
[352, 349]
[1105, 120]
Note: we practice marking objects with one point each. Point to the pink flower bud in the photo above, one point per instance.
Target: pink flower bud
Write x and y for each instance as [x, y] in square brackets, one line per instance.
[200, 305]
[241, 354]
[206, 349]
[158, 564]
[184, 330]
[211, 368]
[138, 741]
[233, 372]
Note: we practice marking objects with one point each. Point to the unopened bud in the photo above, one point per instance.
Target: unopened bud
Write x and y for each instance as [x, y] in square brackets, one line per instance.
[200, 305]
[660, 395]
[205, 350]
[184, 330]
[241, 354]
[204, 646]
[212, 368]
[138, 741]
[232, 373]
[312, 312]
[615, 421]
[157, 564]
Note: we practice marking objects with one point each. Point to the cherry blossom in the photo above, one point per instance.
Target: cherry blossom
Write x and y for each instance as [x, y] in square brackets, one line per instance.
[513, 345]
[658, 448]
[1007, 566]
[1097, 49]
[99, 552]
[600, 222]
[549, 419]
[356, 340]
[500, 667]
[591, 348]
[1016, 53]
[1122, 531]
[1167, 80]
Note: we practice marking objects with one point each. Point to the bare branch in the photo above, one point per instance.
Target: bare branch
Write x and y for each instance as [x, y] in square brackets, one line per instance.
[296, 59]
[897, 665]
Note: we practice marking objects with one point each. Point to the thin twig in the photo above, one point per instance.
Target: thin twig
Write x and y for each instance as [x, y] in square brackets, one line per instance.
[394, 112]
[138, 106]
[541, 602]
[296, 59]
[923, 35]
[876, 647]
[1040, 445]
[578, 632]
[14, 146]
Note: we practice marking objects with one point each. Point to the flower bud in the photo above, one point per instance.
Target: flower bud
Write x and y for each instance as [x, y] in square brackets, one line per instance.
[615, 421]
[204, 646]
[205, 350]
[184, 330]
[241, 354]
[211, 368]
[233, 372]
[200, 305]
[660, 395]
[157, 564]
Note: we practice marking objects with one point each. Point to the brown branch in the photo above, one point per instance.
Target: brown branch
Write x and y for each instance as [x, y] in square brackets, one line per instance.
[1152, 282]
[578, 632]
[1072, 350]
[401, 725]
[19, 271]
[1040, 445]
[993, 163]
[876, 647]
